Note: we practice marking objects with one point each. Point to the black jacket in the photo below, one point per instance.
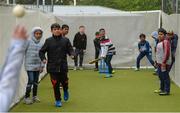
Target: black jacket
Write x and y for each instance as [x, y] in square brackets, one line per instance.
[97, 44]
[80, 41]
[57, 49]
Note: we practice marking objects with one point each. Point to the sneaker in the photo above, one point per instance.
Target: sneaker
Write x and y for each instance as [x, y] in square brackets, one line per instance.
[58, 104]
[155, 70]
[28, 101]
[113, 72]
[157, 91]
[136, 69]
[36, 99]
[163, 93]
[81, 68]
[95, 69]
[66, 95]
[108, 76]
[75, 68]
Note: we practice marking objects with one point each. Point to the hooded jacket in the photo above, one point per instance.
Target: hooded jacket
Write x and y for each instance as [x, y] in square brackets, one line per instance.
[32, 59]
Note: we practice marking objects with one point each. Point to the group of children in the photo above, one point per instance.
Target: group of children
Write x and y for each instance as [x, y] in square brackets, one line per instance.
[58, 46]
[165, 49]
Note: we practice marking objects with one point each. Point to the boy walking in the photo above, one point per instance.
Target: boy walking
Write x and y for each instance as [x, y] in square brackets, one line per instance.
[57, 49]
[33, 64]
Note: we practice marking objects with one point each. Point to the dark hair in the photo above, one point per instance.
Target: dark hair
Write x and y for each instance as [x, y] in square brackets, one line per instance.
[81, 26]
[142, 35]
[55, 25]
[162, 30]
[97, 33]
[102, 29]
[65, 26]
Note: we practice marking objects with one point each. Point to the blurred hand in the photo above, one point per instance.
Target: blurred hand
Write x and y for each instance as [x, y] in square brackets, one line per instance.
[41, 70]
[72, 57]
[20, 32]
[84, 51]
[163, 66]
[44, 61]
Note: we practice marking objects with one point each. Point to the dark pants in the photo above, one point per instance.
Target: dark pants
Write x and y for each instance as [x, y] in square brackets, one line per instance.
[96, 56]
[108, 62]
[172, 62]
[80, 54]
[58, 78]
[164, 79]
[33, 78]
[140, 56]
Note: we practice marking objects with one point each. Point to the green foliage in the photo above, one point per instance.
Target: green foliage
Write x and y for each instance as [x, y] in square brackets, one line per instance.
[128, 5]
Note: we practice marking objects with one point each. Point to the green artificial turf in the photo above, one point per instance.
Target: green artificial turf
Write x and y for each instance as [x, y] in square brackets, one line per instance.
[127, 91]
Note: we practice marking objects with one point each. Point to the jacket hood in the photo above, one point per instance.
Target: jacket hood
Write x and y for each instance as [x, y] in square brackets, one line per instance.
[32, 34]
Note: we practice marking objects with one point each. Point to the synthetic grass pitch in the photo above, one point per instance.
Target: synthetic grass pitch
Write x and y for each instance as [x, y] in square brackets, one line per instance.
[127, 91]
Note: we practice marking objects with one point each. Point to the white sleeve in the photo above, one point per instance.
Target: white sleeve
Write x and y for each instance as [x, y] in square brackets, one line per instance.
[9, 74]
[104, 50]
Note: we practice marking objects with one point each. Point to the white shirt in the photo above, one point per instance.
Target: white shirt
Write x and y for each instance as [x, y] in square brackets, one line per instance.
[9, 74]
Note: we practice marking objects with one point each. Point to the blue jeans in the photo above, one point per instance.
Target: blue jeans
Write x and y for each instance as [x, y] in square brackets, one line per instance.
[108, 62]
[141, 55]
[33, 78]
[164, 79]
[80, 53]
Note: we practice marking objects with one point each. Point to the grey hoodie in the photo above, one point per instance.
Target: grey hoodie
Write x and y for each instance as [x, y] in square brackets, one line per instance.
[32, 60]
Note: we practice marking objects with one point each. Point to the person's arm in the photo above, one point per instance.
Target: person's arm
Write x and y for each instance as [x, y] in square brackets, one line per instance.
[75, 41]
[139, 47]
[9, 74]
[70, 49]
[43, 51]
[85, 43]
[166, 47]
[147, 46]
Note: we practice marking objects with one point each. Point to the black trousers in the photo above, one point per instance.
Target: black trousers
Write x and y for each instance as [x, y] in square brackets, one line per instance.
[96, 56]
[56, 79]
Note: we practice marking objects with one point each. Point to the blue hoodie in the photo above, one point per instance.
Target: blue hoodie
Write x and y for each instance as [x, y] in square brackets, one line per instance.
[144, 47]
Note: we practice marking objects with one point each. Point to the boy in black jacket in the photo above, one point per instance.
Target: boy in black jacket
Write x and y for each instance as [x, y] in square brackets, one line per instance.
[80, 43]
[97, 49]
[57, 49]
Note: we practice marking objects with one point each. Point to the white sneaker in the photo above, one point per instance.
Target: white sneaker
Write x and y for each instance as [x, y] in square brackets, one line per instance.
[155, 70]
[81, 68]
[36, 99]
[136, 69]
[75, 68]
[28, 101]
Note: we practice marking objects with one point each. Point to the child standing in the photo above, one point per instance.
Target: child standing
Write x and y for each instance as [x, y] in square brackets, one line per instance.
[97, 49]
[107, 51]
[163, 61]
[33, 64]
[144, 50]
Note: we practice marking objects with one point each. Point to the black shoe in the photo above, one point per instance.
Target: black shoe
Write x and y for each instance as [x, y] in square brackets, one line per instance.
[95, 69]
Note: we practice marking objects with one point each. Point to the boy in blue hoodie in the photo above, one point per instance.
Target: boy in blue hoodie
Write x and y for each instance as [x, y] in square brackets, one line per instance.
[144, 50]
